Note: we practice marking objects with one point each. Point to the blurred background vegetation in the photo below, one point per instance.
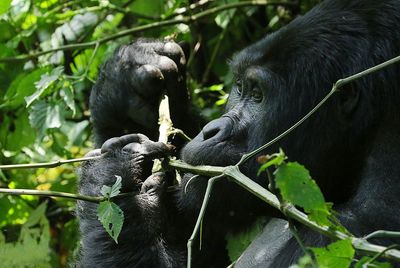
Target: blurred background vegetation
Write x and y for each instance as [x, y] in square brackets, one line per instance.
[50, 52]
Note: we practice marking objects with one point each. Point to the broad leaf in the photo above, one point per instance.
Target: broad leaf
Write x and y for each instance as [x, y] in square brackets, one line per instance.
[22, 86]
[297, 187]
[112, 218]
[45, 116]
[337, 255]
[46, 80]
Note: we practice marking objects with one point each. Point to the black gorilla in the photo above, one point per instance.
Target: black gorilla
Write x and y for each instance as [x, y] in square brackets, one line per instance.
[351, 145]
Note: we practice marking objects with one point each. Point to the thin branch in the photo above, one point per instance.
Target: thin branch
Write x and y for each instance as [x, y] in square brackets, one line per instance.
[88, 198]
[378, 255]
[382, 233]
[340, 83]
[178, 20]
[49, 164]
[93, 199]
[200, 218]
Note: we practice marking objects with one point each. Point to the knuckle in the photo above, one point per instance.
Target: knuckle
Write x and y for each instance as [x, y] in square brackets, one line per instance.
[167, 64]
[148, 71]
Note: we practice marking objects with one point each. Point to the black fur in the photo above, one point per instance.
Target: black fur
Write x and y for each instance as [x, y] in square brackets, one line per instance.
[351, 145]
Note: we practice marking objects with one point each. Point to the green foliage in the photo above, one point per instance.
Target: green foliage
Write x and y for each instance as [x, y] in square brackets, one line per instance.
[272, 160]
[238, 242]
[108, 213]
[33, 242]
[297, 187]
[336, 255]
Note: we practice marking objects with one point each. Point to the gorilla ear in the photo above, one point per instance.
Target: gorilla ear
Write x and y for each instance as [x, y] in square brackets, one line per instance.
[349, 97]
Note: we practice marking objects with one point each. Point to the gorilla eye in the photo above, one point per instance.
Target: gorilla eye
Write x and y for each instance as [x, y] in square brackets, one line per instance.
[239, 87]
[256, 94]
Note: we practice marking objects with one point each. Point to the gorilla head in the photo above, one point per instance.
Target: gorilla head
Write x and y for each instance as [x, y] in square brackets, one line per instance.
[281, 78]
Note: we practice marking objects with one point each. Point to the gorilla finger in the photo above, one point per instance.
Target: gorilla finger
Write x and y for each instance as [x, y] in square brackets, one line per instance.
[173, 51]
[156, 149]
[150, 81]
[167, 66]
[118, 142]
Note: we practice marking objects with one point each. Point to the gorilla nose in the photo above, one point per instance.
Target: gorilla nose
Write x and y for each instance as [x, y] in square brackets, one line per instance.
[219, 129]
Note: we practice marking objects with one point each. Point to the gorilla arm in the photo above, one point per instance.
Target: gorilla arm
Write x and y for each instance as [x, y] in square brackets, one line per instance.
[141, 241]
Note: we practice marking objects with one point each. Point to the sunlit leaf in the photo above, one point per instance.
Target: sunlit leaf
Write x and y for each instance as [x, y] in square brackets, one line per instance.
[4, 5]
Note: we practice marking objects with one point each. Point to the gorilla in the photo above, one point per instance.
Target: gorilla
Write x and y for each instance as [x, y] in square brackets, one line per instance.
[351, 145]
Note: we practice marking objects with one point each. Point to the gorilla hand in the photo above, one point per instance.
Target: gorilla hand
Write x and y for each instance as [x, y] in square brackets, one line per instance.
[128, 156]
[126, 95]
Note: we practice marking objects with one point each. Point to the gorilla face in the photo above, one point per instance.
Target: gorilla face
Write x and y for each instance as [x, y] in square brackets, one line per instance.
[242, 128]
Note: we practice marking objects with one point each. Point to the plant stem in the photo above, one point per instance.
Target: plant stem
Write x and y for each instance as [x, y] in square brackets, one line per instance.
[200, 218]
[93, 199]
[382, 233]
[49, 164]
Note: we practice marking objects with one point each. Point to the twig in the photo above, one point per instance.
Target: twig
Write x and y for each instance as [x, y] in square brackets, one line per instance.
[365, 265]
[92, 199]
[49, 164]
[382, 233]
[184, 20]
[200, 217]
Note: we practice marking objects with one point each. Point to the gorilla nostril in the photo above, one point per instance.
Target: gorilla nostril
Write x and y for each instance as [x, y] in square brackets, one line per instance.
[219, 129]
[210, 132]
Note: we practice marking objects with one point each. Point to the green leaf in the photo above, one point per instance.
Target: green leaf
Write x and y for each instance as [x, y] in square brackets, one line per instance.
[112, 218]
[114, 190]
[68, 96]
[45, 116]
[21, 134]
[22, 86]
[155, 9]
[4, 6]
[223, 18]
[297, 187]
[238, 242]
[337, 255]
[276, 160]
[46, 80]
[365, 262]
